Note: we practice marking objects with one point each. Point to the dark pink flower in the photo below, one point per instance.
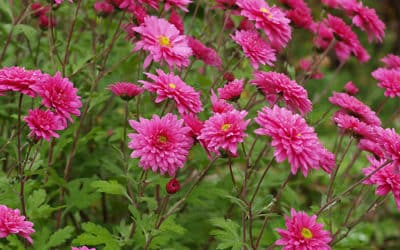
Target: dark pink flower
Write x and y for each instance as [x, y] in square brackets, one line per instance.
[350, 88]
[125, 90]
[293, 139]
[245, 24]
[58, 93]
[389, 141]
[224, 131]
[163, 42]
[103, 8]
[39, 10]
[305, 65]
[12, 222]
[181, 4]
[173, 186]
[372, 147]
[162, 144]
[176, 20]
[391, 61]
[388, 79]
[353, 126]
[43, 124]
[270, 19]
[201, 52]
[187, 99]
[231, 91]
[367, 20]
[355, 107]
[299, 13]
[46, 22]
[277, 85]
[255, 48]
[219, 105]
[303, 233]
[193, 122]
[21, 80]
[225, 4]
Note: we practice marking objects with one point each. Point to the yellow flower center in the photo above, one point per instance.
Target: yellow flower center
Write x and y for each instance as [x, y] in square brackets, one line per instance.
[172, 86]
[299, 135]
[162, 139]
[306, 233]
[225, 127]
[266, 11]
[164, 41]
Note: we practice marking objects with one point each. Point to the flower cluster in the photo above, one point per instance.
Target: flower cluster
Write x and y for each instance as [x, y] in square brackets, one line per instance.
[388, 77]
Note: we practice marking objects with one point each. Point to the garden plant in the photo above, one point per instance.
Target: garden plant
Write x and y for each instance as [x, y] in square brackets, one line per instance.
[179, 124]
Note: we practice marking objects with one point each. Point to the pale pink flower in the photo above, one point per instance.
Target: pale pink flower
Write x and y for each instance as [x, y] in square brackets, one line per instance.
[293, 139]
[270, 19]
[59, 94]
[350, 88]
[231, 91]
[391, 61]
[12, 222]
[388, 79]
[355, 107]
[277, 86]
[219, 105]
[201, 52]
[255, 48]
[20, 80]
[181, 4]
[163, 42]
[187, 99]
[60, 1]
[224, 131]
[162, 144]
[83, 248]
[303, 232]
[387, 179]
[125, 90]
[43, 124]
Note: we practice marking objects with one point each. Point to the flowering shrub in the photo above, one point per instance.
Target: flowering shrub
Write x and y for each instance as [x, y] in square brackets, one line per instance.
[178, 124]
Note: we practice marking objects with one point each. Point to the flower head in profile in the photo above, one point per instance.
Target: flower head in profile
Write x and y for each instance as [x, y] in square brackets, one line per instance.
[303, 232]
[204, 53]
[187, 99]
[293, 139]
[83, 248]
[389, 142]
[271, 20]
[350, 88]
[162, 144]
[299, 13]
[388, 79]
[231, 91]
[125, 90]
[43, 124]
[20, 79]
[224, 131]
[176, 20]
[372, 147]
[58, 93]
[277, 85]
[163, 42]
[12, 222]
[220, 105]
[181, 4]
[391, 61]
[367, 20]
[353, 126]
[255, 48]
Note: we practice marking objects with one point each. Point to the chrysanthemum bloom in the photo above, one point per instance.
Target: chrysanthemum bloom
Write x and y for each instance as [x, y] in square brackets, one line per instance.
[39, 10]
[176, 20]
[231, 91]
[187, 99]
[386, 179]
[125, 90]
[103, 8]
[181, 4]
[162, 144]
[224, 131]
[389, 141]
[83, 248]
[20, 79]
[355, 107]
[12, 222]
[353, 126]
[163, 42]
[303, 232]
[43, 124]
[59, 94]
[270, 19]
[193, 122]
[305, 65]
[299, 13]
[255, 48]
[277, 85]
[292, 139]
[350, 88]
[220, 105]
[388, 79]
[391, 61]
[367, 20]
[201, 52]
[372, 147]
[246, 24]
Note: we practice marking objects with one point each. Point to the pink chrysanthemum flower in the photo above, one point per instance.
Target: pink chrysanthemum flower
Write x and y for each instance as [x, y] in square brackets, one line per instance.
[350, 88]
[367, 20]
[355, 107]
[353, 126]
[219, 105]
[20, 79]
[224, 131]
[12, 222]
[387, 179]
[270, 19]
[201, 52]
[388, 79]
[193, 122]
[299, 13]
[372, 147]
[303, 232]
[305, 65]
[255, 48]
[231, 91]
[277, 85]
[176, 20]
[391, 61]
[389, 141]
[59, 94]
[103, 8]
[125, 90]
[246, 24]
[162, 144]
[163, 42]
[181, 4]
[43, 124]
[187, 99]
[83, 248]
[292, 139]
[60, 1]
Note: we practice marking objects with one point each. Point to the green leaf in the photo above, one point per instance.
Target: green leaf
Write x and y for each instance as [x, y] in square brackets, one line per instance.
[29, 32]
[227, 234]
[60, 236]
[96, 235]
[36, 207]
[109, 187]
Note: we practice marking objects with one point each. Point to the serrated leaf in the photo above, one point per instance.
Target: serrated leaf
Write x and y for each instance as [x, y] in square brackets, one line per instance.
[96, 235]
[227, 234]
[109, 187]
[60, 236]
